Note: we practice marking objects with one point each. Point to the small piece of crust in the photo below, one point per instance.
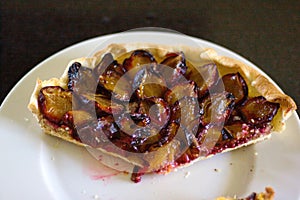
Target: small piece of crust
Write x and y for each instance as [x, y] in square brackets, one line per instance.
[257, 83]
[269, 194]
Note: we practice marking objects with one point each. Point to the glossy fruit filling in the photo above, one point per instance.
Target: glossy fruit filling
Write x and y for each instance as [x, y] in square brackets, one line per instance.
[140, 105]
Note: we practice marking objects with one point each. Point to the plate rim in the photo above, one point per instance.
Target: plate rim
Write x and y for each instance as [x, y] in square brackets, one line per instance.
[3, 104]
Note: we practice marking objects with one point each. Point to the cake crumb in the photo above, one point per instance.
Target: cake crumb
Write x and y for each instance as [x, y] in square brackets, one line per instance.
[187, 174]
[255, 153]
[216, 170]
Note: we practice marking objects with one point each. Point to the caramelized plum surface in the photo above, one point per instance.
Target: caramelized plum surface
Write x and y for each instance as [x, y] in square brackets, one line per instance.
[81, 79]
[108, 64]
[205, 77]
[184, 89]
[78, 117]
[176, 67]
[101, 103]
[97, 133]
[54, 102]
[114, 82]
[138, 58]
[258, 110]
[236, 85]
[149, 83]
[217, 108]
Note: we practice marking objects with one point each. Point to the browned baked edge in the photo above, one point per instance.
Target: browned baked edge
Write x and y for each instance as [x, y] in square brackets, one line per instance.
[260, 84]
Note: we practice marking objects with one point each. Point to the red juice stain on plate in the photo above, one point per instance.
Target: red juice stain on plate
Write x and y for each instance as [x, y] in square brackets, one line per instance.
[97, 170]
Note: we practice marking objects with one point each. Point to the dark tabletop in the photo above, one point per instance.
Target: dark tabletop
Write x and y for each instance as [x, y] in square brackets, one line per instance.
[265, 33]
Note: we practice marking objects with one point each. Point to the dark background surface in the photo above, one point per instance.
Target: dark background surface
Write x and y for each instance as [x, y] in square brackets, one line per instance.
[265, 33]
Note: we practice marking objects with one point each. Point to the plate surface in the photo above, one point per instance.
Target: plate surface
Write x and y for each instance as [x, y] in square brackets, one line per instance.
[36, 166]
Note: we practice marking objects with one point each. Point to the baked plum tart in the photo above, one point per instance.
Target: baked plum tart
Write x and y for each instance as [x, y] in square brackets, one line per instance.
[160, 107]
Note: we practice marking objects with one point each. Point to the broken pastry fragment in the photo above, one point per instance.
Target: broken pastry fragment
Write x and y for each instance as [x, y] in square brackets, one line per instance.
[268, 194]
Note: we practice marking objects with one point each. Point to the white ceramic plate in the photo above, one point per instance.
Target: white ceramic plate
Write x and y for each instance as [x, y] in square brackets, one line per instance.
[36, 166]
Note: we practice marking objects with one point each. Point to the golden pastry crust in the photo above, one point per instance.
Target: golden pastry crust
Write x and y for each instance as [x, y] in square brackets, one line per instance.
[257, 83]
